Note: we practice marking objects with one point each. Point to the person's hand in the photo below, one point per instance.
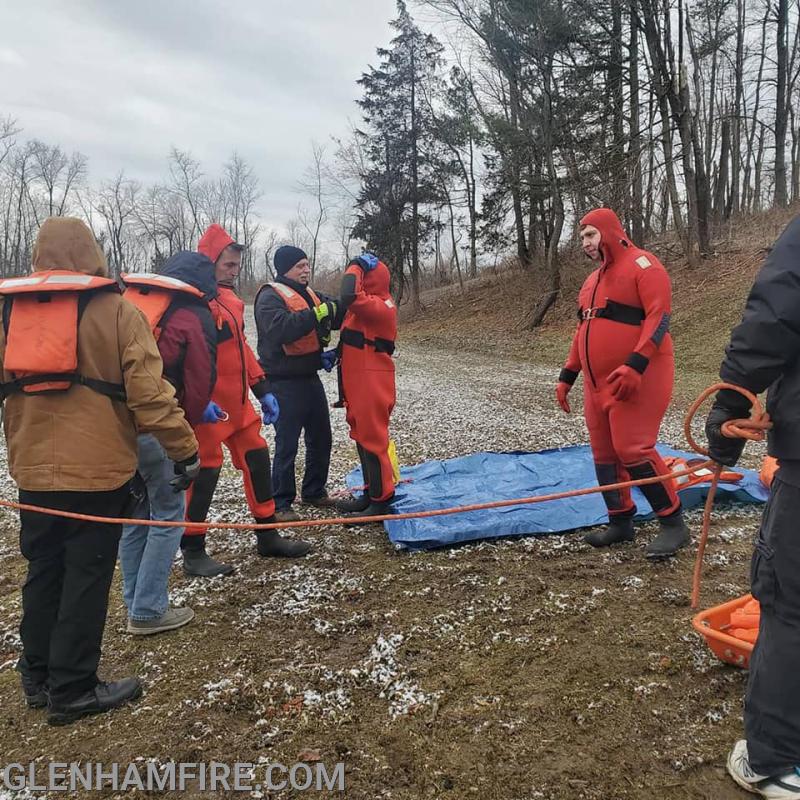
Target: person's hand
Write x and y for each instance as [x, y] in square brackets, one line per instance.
[723, 449]
[367, 261]
[270, 409]
[329, 359]
[325, 311]
[185, 472]
[213, 413]
[562, 390]
[625, 382]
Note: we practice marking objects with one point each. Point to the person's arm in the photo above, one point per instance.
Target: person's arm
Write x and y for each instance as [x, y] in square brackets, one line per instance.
[368, 307]
[276, 323]
[655, 293]
[199, 363]
[151, 398]
[572, 366]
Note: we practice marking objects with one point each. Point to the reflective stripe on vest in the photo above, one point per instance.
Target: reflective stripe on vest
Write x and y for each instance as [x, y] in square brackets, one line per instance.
[153, 295]
[40, 320]
[295, 302]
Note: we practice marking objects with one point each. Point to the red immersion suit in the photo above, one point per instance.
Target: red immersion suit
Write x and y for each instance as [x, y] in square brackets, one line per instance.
[238, 371]
[624, 310]
[367, 335]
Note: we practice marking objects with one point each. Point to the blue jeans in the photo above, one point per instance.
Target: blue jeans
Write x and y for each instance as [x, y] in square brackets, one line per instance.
[146, 552]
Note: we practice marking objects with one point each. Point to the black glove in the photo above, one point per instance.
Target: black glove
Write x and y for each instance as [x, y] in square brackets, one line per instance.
[728, 405]
[185, 472]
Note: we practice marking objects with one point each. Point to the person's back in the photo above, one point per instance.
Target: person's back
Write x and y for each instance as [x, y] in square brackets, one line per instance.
[81, 374]
[176, 304]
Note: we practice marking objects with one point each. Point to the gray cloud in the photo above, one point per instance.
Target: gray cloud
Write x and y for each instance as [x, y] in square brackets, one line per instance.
[122, 82]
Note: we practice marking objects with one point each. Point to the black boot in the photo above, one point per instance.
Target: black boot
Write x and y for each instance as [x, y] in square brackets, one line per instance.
[619, 529]
[198, 563]
[103, 697]
[35, 693]
[271, 543]
[350, 504]
[673, 535]
[371, 465]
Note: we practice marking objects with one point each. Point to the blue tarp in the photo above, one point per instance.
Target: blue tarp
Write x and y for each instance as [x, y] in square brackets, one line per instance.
[486, 477]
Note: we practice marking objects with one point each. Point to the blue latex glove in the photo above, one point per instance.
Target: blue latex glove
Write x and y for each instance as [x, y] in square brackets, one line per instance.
[213, 413]
[269, 408]
[367, 261]
[329, 359]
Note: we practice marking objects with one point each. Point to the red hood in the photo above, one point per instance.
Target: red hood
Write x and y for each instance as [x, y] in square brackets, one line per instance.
[613, 239]
[214, 241]
[376, 281]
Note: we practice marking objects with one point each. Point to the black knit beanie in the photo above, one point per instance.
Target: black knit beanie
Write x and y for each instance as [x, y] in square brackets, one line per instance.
[286, 257]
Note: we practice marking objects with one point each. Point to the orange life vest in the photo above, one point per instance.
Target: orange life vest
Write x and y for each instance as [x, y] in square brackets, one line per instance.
[153, 295]
[677, 464]
[294, 302]
[41, 315]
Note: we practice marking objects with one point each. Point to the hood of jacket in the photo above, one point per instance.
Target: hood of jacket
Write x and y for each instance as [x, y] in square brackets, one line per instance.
[68, 243]
[193, 268]
[214, 241]
[376, 281]
[613, 239]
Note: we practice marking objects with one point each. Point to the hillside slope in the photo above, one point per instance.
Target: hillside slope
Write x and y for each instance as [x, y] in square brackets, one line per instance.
[708, 299]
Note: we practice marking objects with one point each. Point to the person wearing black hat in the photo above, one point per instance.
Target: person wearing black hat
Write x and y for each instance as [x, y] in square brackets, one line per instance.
[294, 326]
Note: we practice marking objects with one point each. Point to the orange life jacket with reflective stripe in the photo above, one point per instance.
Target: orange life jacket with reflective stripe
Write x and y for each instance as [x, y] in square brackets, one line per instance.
[153, 295]
[294, 302]
[41, 315]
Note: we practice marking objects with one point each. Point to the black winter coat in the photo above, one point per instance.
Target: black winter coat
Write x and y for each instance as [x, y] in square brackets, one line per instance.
[764, 351]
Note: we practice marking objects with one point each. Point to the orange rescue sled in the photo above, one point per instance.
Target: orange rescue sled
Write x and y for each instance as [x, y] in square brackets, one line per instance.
[730, 630]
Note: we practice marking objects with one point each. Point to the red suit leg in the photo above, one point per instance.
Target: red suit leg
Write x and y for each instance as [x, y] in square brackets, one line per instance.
[250, 455]
[634, 428]
[607, 465]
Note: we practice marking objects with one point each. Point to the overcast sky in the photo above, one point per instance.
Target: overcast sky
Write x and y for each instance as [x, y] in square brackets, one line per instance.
[124, 80]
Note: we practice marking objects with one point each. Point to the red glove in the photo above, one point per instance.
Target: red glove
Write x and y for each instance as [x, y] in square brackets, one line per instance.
[562, 390]
[625, 382]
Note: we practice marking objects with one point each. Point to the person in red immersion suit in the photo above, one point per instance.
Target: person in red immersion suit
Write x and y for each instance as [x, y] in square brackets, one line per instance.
[367, 340]
[624, 349]
[238, 372]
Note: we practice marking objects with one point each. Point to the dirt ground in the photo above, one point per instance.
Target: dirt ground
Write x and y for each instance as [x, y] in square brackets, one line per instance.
[521, 669]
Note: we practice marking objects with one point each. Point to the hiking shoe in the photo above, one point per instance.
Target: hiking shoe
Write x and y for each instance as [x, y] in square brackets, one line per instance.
[775, 787]
[35, 693]
[323, 501]
[198, 563]
[172, 618]
[287, 515]
[619, 529]
[673, 535]
[102, 698]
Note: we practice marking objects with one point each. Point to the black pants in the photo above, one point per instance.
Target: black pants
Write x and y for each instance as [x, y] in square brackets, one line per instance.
[772, 703]
[304, 408]
[65, 596]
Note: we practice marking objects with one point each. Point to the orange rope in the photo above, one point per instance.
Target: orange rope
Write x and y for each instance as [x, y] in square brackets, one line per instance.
[751, 429]
[315, 523]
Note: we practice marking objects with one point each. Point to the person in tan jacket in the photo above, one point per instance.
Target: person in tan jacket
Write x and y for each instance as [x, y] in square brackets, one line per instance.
[81, 378]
